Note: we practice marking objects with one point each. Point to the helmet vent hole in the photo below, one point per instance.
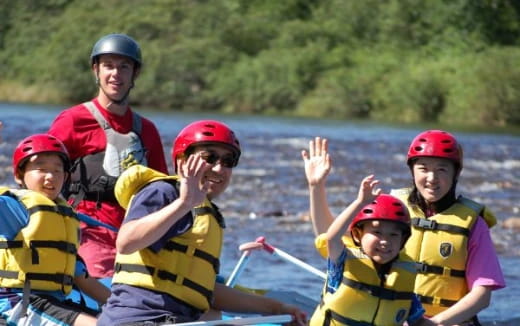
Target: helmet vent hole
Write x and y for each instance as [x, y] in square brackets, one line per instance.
[418, 148]
[368, 211]
[208, 133]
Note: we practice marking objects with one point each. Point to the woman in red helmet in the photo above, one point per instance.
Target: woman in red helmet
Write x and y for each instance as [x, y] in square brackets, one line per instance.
[369, 282]
[170, 241]
[451, 243]
[39, 240]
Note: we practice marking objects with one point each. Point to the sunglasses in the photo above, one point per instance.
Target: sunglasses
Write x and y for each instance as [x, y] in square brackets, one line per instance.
[228, 160]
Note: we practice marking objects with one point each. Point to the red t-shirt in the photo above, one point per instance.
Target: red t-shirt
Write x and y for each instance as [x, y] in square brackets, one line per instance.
[82, 135]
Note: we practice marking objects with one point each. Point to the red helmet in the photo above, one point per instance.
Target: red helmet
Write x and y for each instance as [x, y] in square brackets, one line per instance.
[205, 132]
[39, 143]
[436, 143]
[384, 207]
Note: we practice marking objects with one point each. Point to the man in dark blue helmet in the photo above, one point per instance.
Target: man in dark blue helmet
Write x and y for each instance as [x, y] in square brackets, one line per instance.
[104, 136]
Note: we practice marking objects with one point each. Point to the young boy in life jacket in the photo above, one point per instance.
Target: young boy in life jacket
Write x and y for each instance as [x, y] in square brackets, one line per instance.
[39, 239]
[368, 281]
[170, 241]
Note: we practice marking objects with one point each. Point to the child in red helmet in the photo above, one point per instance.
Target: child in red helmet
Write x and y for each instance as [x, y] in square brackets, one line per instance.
[170, 241]
[457, 264]
[39, 239]
[368, 280]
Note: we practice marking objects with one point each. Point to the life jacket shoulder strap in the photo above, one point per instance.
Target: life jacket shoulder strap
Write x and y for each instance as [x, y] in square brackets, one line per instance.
[103, 123]
[213, 210]
[480, 210]
[137, 124]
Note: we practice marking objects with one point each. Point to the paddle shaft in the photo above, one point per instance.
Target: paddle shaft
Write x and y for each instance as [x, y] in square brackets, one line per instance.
[282, 254]
[239, 268]
[275, 319]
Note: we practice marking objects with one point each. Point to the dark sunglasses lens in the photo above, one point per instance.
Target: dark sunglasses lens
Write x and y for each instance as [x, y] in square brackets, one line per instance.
[211, 158]
[228, 161]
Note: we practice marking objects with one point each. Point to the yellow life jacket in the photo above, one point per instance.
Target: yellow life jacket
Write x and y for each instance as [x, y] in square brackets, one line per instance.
[363, 298]
[187, 266]
[42, 256]
[439, 245]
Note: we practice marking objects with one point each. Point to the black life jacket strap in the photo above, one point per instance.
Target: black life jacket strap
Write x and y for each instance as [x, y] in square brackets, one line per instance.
[62, 210]
[427, 224]
[442, 302]
[378, 291]
[213, 210]
[214, 261]
[11, 244]
[164, 275]
[330, 314]
[431, 269]
[59, 278]
[34, 245]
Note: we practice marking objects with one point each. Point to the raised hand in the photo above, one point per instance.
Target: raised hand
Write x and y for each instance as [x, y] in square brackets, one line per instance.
[193, 189]
[367, 190]
[317, 161]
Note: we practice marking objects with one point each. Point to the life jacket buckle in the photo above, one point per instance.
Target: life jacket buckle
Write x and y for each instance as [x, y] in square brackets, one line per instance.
[427, 224]
[436, 301]
[421, 268]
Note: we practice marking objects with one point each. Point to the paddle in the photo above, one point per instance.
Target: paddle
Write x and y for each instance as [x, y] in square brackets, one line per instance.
[282, 254]
[239, 268]
[275, 319]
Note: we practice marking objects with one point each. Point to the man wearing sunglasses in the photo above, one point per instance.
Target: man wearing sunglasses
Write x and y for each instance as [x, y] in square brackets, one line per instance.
[170, 241]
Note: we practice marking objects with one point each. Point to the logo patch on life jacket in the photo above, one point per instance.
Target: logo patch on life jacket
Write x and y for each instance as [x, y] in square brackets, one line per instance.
[400, 316]
[445, 249]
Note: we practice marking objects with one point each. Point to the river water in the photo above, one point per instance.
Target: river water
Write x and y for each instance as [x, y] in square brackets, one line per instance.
[268, 195]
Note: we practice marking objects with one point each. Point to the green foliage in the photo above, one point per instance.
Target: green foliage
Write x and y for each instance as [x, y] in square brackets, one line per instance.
[272, 81]
[446, 61]
[486, 88]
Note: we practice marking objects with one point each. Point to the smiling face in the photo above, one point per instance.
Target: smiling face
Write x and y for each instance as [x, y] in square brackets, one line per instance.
[219, 175]
[380, 240]
[44, 173]
[116, 75]
[433, 177]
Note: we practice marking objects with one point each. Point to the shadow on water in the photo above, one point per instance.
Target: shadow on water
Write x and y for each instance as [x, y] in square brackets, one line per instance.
[268, 195]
